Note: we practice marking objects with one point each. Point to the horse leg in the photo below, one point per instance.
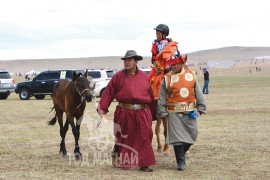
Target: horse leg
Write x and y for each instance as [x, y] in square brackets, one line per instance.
[76, 136]
[63, 144]
[157, 132]
[79, 119]
[77, 147]
[166, 146]
[62, 132]
[78, 130]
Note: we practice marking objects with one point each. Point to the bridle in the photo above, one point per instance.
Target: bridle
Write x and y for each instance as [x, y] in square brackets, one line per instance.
[80, 93]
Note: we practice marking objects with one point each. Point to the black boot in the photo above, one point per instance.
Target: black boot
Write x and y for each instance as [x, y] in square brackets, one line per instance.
[180, 157]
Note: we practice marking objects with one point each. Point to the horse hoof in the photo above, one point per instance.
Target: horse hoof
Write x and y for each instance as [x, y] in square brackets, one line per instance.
[62, 153]
[159, 149]
[77, 155]
[166, 153]
[166, 150]
[166, 147]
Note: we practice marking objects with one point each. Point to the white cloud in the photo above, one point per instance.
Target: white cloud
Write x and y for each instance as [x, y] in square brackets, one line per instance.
[81, 28]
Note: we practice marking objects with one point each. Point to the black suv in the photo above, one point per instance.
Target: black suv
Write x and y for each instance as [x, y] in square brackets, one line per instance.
[43, 83]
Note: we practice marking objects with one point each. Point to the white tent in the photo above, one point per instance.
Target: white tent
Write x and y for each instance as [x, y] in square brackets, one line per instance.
[32, 72]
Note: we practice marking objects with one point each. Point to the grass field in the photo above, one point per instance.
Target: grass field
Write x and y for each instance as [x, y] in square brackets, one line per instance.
[233, 140]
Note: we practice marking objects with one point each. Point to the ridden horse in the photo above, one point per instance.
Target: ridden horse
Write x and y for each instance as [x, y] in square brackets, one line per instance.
[71, 97]
[160, 121]
[163, 121]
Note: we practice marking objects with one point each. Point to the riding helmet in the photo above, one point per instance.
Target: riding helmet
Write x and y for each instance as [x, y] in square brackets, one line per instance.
[163, 28]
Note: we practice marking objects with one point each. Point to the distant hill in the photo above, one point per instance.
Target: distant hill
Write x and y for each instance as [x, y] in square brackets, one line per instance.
[229, 53]
[219, 54]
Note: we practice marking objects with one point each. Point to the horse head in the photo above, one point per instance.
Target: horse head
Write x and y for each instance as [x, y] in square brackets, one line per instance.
[82, 85]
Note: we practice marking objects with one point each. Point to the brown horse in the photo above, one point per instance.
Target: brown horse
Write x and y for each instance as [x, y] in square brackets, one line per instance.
[160, 147]
[71, 97]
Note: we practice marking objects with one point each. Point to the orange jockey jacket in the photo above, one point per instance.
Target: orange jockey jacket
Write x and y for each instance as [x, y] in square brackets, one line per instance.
[160, 60]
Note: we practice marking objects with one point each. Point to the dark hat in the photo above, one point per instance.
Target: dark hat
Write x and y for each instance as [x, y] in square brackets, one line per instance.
[204, 69]
[132, 54]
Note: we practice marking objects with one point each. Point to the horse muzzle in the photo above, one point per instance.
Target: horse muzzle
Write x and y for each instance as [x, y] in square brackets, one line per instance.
[88, 98]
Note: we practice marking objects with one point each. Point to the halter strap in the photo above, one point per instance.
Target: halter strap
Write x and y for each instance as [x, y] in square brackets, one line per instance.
[80, 93]
[82, 98]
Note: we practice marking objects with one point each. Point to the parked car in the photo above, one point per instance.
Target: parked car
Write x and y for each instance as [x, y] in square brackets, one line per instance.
[146, 70]
[43, 83]
[7, 84]
[100, 74]
[100, 87]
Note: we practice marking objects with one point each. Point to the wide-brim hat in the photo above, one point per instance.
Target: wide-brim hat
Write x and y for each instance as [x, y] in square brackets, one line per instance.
[180, 59]
[132, 54]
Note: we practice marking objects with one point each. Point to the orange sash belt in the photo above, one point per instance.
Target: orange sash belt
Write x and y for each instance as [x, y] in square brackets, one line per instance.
[178, 109]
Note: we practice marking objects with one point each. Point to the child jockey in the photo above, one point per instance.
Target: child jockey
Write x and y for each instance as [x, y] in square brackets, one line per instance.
[163, 50]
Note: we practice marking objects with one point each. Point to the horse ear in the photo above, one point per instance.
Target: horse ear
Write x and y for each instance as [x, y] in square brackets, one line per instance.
[186, 57]
[86, 73]
[75, 76]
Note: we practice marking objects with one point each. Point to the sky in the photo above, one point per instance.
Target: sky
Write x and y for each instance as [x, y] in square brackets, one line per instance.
[38, 29]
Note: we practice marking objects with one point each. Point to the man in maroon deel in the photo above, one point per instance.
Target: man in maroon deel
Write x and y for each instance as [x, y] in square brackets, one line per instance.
[132, 116]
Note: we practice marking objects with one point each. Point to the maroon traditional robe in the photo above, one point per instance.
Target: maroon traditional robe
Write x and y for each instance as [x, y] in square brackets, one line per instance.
[132, 128]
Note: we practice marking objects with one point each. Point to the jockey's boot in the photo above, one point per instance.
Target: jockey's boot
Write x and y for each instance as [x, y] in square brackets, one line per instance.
[180, 157]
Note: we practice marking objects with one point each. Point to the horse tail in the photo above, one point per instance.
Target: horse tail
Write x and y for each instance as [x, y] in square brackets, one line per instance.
[52, 121]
